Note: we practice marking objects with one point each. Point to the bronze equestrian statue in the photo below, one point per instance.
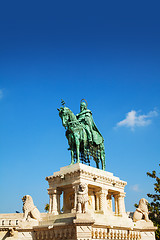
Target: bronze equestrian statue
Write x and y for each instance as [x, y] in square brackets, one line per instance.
[84, 139]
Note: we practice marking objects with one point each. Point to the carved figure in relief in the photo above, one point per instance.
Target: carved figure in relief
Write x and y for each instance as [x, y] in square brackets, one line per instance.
[82, 198]
[142, 211]
[29, 209]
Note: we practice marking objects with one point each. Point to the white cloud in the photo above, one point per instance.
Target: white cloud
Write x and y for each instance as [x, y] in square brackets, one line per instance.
[1, 93]
[133, 119]
[135, 188]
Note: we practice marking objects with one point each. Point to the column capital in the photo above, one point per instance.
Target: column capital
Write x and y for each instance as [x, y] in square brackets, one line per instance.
[116, 196]
[59, 192]
[52, 191]
[104, 191]
[122, 194]
[97, 193]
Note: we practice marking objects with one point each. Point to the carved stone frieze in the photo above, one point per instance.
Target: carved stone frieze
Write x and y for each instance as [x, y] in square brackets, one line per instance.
[90, 174]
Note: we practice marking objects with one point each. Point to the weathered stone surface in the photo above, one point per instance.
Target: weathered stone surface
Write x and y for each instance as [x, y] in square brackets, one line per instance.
[98, 219]
[30, 210]
[142, 211]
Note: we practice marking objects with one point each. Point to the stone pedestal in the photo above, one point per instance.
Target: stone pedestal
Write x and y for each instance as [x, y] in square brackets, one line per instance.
[85, 204]
[106, 217]
[103, 188]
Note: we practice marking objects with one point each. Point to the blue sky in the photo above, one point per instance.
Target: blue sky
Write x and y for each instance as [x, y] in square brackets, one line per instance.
[107, 52]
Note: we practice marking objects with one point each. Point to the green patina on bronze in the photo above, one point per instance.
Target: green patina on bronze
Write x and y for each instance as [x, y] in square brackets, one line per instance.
[84, 139]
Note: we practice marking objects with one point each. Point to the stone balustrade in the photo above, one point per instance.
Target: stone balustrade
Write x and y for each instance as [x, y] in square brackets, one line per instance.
[9, 222]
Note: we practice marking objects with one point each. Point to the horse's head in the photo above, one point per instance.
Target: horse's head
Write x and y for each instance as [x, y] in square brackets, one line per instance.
[64, 115]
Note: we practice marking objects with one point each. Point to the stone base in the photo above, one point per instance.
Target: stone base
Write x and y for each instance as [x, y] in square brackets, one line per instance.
[28, 224]
[84, 189]
[144, 225]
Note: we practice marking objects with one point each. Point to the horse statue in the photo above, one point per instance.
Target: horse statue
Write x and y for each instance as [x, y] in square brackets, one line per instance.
[79, 145]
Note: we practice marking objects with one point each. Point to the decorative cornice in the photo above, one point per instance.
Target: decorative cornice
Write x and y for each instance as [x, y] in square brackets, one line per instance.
[90, 174]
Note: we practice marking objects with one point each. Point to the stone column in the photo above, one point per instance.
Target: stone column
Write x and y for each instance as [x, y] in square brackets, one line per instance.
[50, 202]
[97, 201]
[75, 198]
[103, 201]
[64, 201]
[91, 194]
[121, 204]
[58, 201]
[86, 204]
[116, 204]
[109, 203]
[53, 201]
[93, 202]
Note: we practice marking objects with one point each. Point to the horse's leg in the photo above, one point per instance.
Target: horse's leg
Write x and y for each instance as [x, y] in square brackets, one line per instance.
[72, 157]
[103, 157]
[97, 163]
[103, 163]
[77, 149]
